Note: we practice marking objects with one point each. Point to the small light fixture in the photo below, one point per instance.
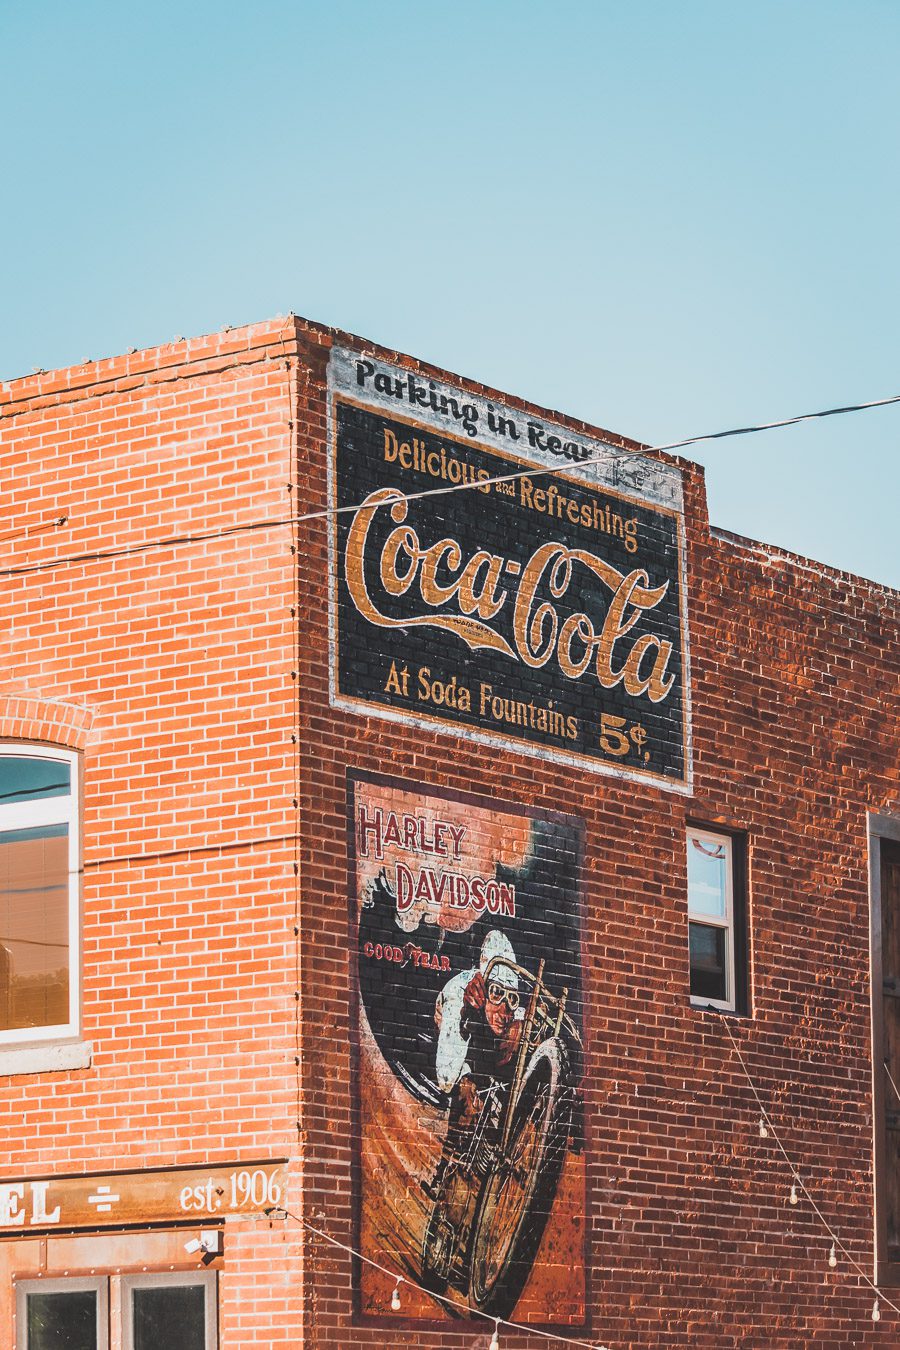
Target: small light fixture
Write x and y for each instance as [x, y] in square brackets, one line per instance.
[876, 1312]
[794, 1196]
[763, 1131]
[395, 1297]
[495, 1339]
[209, 1243]
[832, 1257]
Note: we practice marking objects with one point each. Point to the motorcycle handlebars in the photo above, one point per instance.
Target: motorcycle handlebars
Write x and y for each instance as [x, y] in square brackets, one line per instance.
[543, 993]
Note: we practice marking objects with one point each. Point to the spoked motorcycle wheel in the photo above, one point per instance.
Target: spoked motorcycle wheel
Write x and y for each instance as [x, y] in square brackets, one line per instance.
[516, 1196]
[437, 1248]
[441, 1258]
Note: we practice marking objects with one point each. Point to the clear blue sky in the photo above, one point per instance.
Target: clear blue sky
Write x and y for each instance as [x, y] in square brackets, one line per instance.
[663, 218]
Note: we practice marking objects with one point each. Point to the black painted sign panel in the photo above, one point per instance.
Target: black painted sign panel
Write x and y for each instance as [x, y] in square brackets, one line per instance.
[544, 612]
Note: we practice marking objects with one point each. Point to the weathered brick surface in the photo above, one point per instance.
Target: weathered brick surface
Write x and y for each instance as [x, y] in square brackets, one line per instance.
[172, 671]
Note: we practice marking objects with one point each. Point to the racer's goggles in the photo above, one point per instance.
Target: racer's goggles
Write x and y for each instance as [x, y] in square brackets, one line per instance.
[497, 993]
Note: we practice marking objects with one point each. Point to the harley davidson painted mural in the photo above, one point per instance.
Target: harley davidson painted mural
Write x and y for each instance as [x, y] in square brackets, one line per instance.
[469, 1027]
[540, 609]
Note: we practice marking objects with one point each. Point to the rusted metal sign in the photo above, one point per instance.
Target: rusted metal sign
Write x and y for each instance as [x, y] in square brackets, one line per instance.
[148, 1197]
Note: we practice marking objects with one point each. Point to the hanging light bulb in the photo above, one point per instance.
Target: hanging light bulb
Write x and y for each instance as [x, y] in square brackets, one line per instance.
[763, 1131]
[794, 1196]
[832, 1257]
[395, 1297]
[876, 1312]
[495, 1339]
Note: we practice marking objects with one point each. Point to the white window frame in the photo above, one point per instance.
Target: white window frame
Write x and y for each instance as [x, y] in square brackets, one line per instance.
[74, 1285]
[725, 922]
[206, 1278]
[52, 811]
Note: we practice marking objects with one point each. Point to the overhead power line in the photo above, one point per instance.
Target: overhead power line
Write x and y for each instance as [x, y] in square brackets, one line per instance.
[34, 529]
[174, 541]
[786, 422]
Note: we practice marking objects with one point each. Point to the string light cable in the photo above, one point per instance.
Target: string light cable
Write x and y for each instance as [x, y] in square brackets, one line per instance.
[890, 1077]
[174, 541]
[767, 1128]
[400, 1280]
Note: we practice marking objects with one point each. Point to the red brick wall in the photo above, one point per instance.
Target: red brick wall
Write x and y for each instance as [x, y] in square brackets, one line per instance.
[172, 670]
[692, 1239]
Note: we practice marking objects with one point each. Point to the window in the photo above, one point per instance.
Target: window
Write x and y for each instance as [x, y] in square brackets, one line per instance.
[178, 1309]
[54, 1313]
[716, 930]
[145, 1312]
[39, 909]
[884, 892]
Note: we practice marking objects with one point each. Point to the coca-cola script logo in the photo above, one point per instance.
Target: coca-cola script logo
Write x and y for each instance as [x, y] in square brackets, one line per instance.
[470, 595]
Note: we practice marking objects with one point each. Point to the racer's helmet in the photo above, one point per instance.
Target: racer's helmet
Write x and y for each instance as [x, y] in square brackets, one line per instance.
[498, 944]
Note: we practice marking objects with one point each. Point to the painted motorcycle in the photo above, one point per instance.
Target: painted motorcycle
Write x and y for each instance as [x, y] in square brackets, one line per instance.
[494, 1195]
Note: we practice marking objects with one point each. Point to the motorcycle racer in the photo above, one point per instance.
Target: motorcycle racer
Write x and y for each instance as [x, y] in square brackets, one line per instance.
[479, 1029]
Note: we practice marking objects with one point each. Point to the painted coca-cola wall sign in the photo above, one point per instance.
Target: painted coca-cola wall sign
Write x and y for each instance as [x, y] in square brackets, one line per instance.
[540, 603]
